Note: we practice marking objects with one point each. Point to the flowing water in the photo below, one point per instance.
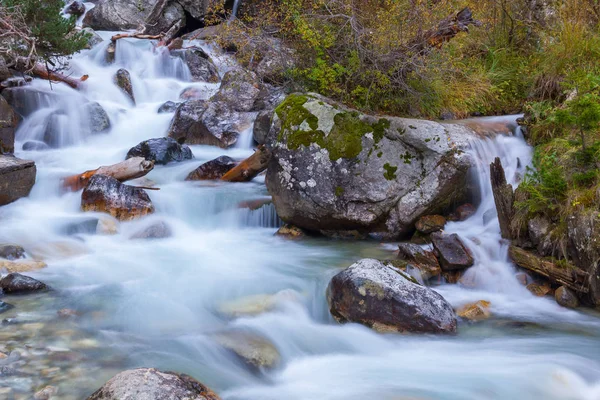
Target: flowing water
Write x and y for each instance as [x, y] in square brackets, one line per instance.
[162, 303]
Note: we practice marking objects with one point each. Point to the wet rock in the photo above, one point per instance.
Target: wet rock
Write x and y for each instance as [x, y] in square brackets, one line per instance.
[98, 118]
[566, 297]
[106, 194]
[262, 126]
[46, 393]
[522, 278]
[253, 349]
[290, 232]
[257, 304]
[111, 51]
[8, 125]
[4, 307]
[150, 383]
[475, 311]
[192, 93]
[168, 107]
[35, 145]
[424, 260]
[451, 251]
[17, 177]
[200, 64]
[213, 169]
[15, 283]
[161, 150]
[539, 234]
[463, 212]
[67, 313]
[420, 238]
[11, 251]
[107, 226]
[255, 204]
[379, 296]
[539, 289]
[93, 37]
[334, 169]
[430, 223]
[21, 265]
[123, 80]
[76, 8]
[489, 215]
[157, 230]
[121, 15]
[239, 89]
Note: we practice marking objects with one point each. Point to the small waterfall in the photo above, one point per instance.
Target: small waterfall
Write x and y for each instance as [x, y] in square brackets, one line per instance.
[234, 10]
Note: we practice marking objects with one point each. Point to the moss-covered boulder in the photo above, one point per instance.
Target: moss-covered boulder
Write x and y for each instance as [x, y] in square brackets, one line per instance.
[335, 169]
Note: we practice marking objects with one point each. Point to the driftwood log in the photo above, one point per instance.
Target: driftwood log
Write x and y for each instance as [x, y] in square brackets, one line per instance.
[41, 71]
[132, 168]
[135, 36]
[503, 197]
[250, 167]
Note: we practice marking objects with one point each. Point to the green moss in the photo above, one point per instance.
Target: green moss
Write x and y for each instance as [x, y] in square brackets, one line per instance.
[390, 172]
[292, 112]
[379, 129]
[407, 157]
[339, 191]
[401, 131]
[379, 154]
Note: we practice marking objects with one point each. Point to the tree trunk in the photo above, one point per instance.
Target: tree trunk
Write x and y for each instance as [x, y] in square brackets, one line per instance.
[503, 197]
[131, 168]
[250, 167]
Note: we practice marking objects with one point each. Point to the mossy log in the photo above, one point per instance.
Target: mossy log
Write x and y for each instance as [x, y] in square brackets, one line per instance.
[567, 275]
[248, 169]
[132, 168]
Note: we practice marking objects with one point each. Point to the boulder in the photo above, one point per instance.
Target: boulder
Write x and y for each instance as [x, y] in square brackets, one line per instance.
[539, 234]
[388, 300]
[98, 118]
[475, 311]
[463, 212]
[334, 169]
[93, 37]
[34, 145]
[161, 150]
[106, 194]
[539, 289]
[274, 64]
[157, 230]
[8, 126]
[192, 93]
[196, 8]
[239, 89]
[76, 8]
[152, 384]
[168, 107]
[253, 349]
[15, 283]
[430, 223]
[200, 64]
[566, 297]
[172, 14]
[17, 177]
[451, 251]
[583, 232]
[123, 80]
[120, 15]
[213, 169]
[11, 251]
[422, 259]
[262, 126]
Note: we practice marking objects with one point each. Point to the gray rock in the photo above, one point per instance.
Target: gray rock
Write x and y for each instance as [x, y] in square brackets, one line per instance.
[3, 308]
[200, 64]
[168, 107]
[152, 384]
[196, 8]
[539, 234]
[172, 14]
[211, 170]
[35, 145]
[451, 251]
[98, 118]
[161, 151]
[334, 169]
[274, 64]
[16, 283]
[262, 126]
[239, 89]
[4, 71]
[387, 300]
[157, 230]
[119, 15]
[583, 232]
[123, 80]
[11, 251]
[8, 125]
[253, 349]
[17, 177]
[93, 38]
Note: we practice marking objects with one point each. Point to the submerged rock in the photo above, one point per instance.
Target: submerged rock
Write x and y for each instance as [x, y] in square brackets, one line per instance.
[475, 311]
[106, 194]
[200, 64]
[152, 384]
[566, 297]
[257, 304]
[22, 265]
[213, 169]
[253, 349]
[5, 307]
[423, 260]
[17, 178]
[464, 212]
[157, 230]
[452, 253]
[98, 118]
[123, 80]
[430, 223]
[168, 107]
[11, 251]
[335, 169]
[15, 283]
[262, 126]
[35, 145]
[161, 150]
[76, 8]
[388, 300]
[290, 232]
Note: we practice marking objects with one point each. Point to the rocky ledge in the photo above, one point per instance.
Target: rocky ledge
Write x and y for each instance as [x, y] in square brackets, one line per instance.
[17, 177]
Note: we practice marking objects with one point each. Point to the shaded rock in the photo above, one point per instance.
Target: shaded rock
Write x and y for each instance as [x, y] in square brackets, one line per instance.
[76, 8]
[17, 177]
[334, 169]
[522, 278]
[424, 260]
[200, 64]
[539, 234]
[4, 71]
[420, 238]
[213, 169]
[5, 307]
[452, 253]
[93, 37]
[150, 383]
[566, 297]
[8, 126]
[21, 265]
[253, 349]
[172, 14]
[111, 52]
[168, 107]
[98, 118]
[106, 194]
[539, 289]
[161, 150]
[290, 232]
[430, 223]
[35, 145]
[123, 80]
[239, 89]
[11, 251]
[157, 230]
[452, 276]
[15, 283]
[463, 212]
[475, 311]
[379, 296]
[262, 126]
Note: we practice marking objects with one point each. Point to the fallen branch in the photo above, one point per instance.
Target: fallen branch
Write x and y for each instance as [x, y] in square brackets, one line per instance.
[131, 168]
[134, 36]
[246, 170]
[41, 71]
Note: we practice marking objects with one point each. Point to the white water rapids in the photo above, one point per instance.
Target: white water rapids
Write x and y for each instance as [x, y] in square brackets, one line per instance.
[155, 303]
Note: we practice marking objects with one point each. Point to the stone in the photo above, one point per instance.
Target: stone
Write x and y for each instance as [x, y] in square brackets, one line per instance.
[46, 393]
[566, 297]
[475, 311]
[239, 89]
[522, 278]
[539, 233]
[21, 265]
[253, 349]
[451, 251]
[420, 238]
[199, 63]
[583, 232]
[17, 178]
[15, 283]
[212, 170]
[192, 93]
[430, 223]
[97, 117]
[157, 230]
[290, 232]
[107, 225]
[67, 313]
[464, 212]
[106, 194]
[11, 251]
[123, 80]
[387, 300]
[335, 169]
[168, 107]
[196, 8]
[262, 126]
[4, 71]
[4, 307]
[93, 37]
[257, 304]
[8, 126]
[275, 63]
[161, 150]
[121, 15]
[34, 145]
[423, 260]
[76, 8]
[152, 384]
[539, 289]
[172, 14]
